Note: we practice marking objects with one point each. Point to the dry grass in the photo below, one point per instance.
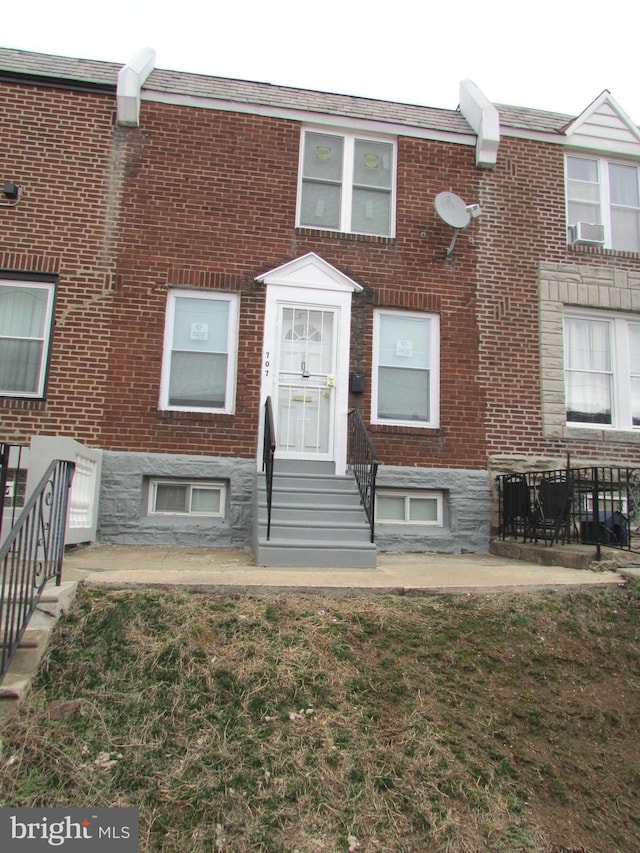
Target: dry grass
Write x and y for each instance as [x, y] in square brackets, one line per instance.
[309, 723]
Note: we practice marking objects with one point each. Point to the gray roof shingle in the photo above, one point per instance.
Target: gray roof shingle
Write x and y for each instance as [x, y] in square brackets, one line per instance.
[22, 62]
[59, 67]
[285, 97]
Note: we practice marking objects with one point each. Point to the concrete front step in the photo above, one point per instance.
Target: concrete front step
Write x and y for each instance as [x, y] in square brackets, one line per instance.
[312, 513]
[54, 601]
[569, 556]
[300, 553]
[321, 485]
[319, 532]
[317, 520]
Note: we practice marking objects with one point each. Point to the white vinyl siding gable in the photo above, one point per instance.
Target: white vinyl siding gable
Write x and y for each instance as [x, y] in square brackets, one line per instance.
[199, 363]
[26, 310]
[346, 183]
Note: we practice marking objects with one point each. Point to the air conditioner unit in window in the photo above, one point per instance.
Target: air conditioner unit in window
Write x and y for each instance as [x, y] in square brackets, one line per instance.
[586, 233]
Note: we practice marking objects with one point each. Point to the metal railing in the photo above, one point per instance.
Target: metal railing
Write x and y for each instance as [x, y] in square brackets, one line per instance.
[12, 481]
[268, 456]
[362, 460]
[31, 555]
[593, 505]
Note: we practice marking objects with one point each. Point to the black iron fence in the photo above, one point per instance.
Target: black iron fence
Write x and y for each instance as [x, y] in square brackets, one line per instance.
[361, 459]
[268, 456]
[31, 555]
[596, 505]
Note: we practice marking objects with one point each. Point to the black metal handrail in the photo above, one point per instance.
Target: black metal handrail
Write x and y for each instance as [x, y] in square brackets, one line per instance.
[362, 460]
[10, 460]
[268, 456]
[32, 555]
[603, 506]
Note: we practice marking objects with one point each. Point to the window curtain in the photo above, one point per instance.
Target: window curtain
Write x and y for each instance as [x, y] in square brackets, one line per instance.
[588, 371]
[634, 355]
[23, 312]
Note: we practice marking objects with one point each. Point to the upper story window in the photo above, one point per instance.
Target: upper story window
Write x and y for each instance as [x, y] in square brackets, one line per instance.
[602, 369]
[346, 183]
[26, 310]
[606, 193]
[405, 387]
[200, 342]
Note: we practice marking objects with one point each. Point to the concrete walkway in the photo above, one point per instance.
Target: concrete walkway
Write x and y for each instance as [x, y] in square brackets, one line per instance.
[118, 566]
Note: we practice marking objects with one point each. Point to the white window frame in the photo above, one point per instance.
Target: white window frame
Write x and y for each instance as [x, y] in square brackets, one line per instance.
[408, 497]
[621, 368]
[604, 204]
[190, 485]
[45, 338]
[434, 369]
[232, 349]
[349, 139]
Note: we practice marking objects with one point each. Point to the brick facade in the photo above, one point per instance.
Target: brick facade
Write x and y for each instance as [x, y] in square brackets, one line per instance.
[523, 260]
[201, 198]
[58, 145]
[204, 196]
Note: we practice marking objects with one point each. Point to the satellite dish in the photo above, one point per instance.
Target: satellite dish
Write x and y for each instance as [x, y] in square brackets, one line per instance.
[456, 213]
[452, 210]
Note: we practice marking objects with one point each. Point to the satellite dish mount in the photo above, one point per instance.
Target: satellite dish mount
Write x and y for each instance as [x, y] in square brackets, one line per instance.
[456, 213]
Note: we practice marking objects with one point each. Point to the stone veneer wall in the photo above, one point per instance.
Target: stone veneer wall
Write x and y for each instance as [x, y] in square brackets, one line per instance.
[124, 517]
[575, 285]
[466, 511]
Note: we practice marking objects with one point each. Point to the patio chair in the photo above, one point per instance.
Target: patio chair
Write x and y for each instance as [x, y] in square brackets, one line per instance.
[517, 514]
[552, 515]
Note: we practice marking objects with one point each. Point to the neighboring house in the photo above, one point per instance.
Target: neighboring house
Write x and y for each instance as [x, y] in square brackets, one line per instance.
[175, 249]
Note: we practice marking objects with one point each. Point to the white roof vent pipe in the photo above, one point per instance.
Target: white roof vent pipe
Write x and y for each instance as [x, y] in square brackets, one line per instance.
[131, 79]
[485, 121]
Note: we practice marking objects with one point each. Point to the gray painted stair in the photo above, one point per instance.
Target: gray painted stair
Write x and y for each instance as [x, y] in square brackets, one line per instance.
[317, 520]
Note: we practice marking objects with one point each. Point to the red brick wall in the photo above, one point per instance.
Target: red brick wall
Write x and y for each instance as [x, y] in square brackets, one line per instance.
[209, 201]
[523, 222]
[57, 146]
[205, 198]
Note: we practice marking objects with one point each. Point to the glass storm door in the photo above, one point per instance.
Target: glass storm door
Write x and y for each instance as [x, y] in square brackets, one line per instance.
[306, 379]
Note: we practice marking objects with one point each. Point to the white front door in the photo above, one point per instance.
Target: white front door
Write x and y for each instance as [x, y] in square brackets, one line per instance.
[306, 376]
[305, 367]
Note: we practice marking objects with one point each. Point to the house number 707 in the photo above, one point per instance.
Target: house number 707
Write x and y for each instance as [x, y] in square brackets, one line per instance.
[267, 364]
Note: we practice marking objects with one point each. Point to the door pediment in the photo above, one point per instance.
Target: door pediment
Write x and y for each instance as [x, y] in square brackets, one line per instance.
[310, 271]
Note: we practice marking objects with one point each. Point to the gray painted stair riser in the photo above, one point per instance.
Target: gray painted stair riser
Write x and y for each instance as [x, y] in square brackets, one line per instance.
[275, 553]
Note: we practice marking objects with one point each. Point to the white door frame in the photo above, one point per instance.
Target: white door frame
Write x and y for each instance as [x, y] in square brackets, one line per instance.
[311, 282]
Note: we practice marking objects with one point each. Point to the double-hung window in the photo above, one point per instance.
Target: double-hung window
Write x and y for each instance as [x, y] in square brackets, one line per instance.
[606, 193]
[200, 342]
[346, 183]
[602, 370]
[405, 368]
[26, 310]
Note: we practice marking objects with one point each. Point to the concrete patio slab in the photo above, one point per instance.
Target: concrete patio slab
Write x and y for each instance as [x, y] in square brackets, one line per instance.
[117, 566]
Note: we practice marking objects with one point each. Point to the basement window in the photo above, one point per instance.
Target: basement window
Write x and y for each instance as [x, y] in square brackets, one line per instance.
[171, 497]
[415, 507]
